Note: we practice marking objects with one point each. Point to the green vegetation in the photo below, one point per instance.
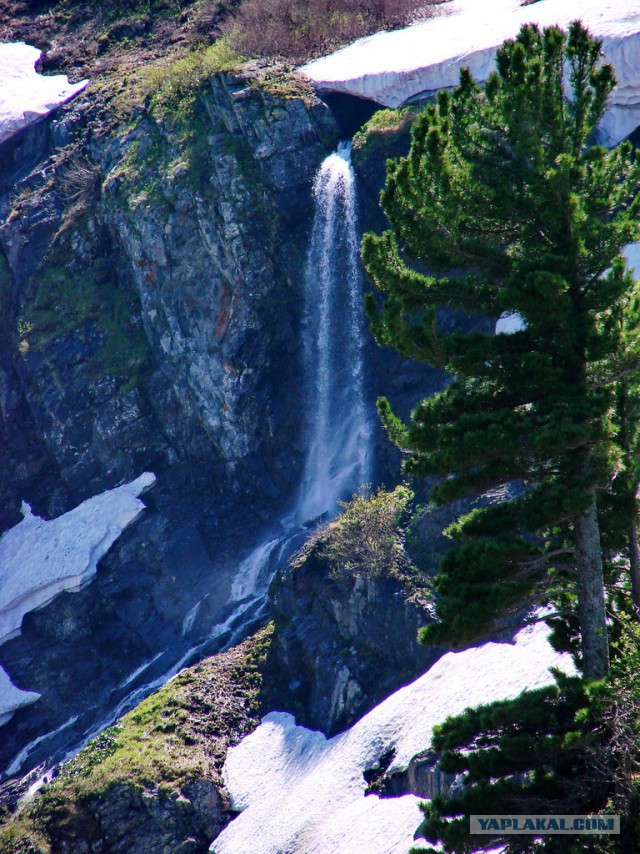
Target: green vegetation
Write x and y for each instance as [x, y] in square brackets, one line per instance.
[502, 197]
[283, 82]
[64, 301]
[176, 127]
[505, 201]
[570, 749]
[168, 84]
[177, 735]
[119, 9]
[367, 539]
[382, 125]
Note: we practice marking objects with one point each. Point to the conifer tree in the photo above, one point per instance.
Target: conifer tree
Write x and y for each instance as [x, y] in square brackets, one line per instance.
[502, 207]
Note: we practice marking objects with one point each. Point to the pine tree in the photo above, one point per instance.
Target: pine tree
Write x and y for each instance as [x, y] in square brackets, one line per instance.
[503, 208]
[572, 748]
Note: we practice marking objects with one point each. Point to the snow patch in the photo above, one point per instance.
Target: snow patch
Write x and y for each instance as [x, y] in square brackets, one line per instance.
[411, 64]
[631, 253]
[510, 322]
[12, 698]
[299, 791]
[39, 559]
[25, 95]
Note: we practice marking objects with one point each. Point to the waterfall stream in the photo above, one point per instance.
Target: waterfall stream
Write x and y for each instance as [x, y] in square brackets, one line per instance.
[338, 430]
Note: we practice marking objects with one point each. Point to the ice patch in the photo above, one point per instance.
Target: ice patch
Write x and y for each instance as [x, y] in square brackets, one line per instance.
[12, 698]
[299, 791]
[40, 558]
[25, 95]
[510, 322]
[410, 64]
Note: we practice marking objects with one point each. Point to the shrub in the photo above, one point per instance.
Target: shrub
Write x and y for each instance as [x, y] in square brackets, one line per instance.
[80, 182]
[368, 538]
[298, 31]
[382, 127]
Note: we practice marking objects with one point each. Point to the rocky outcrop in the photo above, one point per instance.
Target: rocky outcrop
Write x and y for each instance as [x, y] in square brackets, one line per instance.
[345, 639]
[152, 783]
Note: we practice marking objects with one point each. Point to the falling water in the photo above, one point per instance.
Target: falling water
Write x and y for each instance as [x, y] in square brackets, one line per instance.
[338, 429]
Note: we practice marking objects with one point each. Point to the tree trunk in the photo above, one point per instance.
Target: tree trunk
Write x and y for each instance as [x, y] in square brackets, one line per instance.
[634, 559]
[591, 610]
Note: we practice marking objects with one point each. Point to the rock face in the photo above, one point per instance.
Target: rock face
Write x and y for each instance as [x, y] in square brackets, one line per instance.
[344, 641]
[412, 64]
[151, 308]
[127, 819]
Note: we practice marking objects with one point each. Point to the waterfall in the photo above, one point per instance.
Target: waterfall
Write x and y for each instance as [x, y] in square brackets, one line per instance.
[338, 431]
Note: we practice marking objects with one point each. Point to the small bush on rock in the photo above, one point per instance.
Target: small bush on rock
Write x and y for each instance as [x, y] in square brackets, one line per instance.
[368, 539]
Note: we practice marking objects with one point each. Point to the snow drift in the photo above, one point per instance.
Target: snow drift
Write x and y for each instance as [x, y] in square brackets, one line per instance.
[25, 95]
[412, 64]
[299, 791]
[39, 559]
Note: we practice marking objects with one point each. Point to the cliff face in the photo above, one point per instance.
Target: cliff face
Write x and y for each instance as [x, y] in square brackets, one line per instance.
[150, 277]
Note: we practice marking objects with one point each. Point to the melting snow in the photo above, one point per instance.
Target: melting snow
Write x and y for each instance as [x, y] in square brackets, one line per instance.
[510, 322]
[301, 792]
[25, 95]
[397, 67]
[12, 698]
[39, 559]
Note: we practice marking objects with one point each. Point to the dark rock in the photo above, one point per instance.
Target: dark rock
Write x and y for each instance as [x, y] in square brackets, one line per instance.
[345, 642]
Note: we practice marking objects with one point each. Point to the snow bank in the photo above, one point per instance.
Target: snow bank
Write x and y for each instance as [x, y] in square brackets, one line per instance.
[39, 558]
[301, 792]
[510, 322]
[12, 698]
[410, 64]
[25, 95]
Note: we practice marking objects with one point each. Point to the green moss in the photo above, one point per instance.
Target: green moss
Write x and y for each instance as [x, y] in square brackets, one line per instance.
[177, 735]
[64, 301]
[382, 128]
[285, 84]
[174, 144]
